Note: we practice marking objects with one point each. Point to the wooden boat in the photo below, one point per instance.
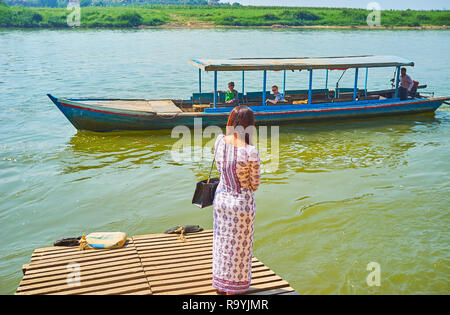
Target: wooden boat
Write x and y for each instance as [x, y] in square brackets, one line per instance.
[300, 105]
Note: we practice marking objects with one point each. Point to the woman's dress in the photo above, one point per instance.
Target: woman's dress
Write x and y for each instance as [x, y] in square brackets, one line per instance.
[234, 216]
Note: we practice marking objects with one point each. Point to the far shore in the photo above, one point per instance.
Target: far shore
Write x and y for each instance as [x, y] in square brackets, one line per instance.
[277, 26]
[213, 26]
[234, 17]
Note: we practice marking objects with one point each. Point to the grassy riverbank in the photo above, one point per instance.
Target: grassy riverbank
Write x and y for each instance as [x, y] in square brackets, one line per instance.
[214, 16]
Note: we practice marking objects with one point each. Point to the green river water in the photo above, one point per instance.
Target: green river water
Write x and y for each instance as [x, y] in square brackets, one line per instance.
[344, 194]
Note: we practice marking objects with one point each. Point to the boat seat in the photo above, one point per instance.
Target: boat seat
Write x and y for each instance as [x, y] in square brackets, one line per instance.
[314, 91]
[202, 97]
[345, 90]
[255, 95]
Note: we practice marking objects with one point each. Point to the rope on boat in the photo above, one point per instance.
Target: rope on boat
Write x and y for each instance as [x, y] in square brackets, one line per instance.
[83, 243]
[181, 237]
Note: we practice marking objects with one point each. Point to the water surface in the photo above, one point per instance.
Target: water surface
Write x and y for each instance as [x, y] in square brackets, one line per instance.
[345, 194]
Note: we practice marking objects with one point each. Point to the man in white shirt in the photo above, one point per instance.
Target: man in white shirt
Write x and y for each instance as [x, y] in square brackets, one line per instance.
[406, 84]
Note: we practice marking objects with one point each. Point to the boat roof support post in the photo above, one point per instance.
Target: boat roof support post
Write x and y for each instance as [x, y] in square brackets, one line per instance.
[365, 85]
[355, 89]
[284, 82]
[326, 80]
[264, 88]
[310, 86]
[397, 82]
[243, 82]
[199, 80]
[215, 89]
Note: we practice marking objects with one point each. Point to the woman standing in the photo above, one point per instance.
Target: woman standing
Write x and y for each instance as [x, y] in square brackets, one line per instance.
[234, 204]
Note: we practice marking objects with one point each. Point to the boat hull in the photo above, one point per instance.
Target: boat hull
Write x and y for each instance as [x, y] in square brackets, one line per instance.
[87, 117]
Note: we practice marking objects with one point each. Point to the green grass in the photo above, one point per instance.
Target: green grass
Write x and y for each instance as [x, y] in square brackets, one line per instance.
[155, 15]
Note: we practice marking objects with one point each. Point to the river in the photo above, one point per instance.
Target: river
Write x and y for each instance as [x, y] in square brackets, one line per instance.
[344, 194]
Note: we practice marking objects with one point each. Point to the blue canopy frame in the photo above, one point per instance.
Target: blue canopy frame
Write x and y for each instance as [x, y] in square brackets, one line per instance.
[310, 64]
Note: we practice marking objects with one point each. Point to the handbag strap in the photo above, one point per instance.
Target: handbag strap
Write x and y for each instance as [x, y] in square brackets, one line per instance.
[214, 160]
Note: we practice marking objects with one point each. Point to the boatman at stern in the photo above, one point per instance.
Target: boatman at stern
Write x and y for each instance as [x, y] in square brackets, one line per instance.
[406, 84]
[278, 97]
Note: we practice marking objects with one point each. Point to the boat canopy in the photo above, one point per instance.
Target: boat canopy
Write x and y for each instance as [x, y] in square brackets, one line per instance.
[300, 63]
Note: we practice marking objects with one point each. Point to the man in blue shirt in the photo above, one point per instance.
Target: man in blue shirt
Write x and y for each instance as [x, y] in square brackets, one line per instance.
[278, 97]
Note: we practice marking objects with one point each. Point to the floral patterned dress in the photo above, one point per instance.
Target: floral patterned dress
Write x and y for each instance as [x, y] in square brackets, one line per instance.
[234, 216]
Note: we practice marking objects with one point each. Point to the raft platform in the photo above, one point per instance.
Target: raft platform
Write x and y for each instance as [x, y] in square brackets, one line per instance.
[155, 264]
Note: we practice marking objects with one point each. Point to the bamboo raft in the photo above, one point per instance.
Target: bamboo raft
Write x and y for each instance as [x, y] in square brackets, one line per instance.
[155, 264]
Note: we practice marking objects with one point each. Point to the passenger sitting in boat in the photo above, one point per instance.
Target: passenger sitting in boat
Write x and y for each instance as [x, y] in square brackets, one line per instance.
[231, 96]
[278, 97]
[406, 84]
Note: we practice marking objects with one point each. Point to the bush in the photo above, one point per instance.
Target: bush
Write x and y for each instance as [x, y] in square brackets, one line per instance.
[308, 16]
[423, 17]
[57, 21]
[270, 17]
[130, 18]
[5, 16]
[153, 22]
[24, 17]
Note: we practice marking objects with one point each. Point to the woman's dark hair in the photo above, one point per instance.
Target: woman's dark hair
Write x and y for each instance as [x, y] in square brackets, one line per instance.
[239, 121]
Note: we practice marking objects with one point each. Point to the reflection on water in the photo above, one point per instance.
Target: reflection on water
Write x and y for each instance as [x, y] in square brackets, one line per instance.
[349, 144]
[344, 194]
[309, 148]
[87, 150]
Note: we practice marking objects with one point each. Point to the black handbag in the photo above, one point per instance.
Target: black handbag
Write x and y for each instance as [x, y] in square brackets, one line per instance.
[205, 190]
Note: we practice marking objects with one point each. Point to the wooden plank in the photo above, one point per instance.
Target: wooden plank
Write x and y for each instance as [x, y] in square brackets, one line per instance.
[159, 261]
[148, 262]
[62, 281]
[113, 288]
[68, 251]
[197, 281]
[164, 106]
[256, 285]
[51, 276]
[178, 254]
[152, 267]
[74, 249]
[274, 291]
[181, 276]
[43, 272]
[88, 254]
[37, 258]
[183, 269]
[256, 272]
[86, 286]
[290, 293]
[168, 240]
[149, 250]
[136, 105]
[95, 259]
[174, 245]
[164, 237]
